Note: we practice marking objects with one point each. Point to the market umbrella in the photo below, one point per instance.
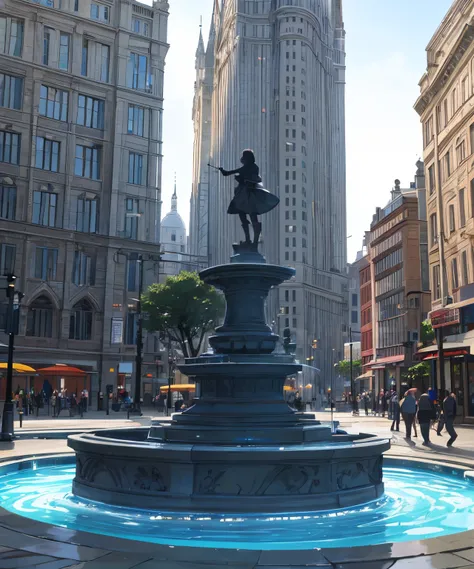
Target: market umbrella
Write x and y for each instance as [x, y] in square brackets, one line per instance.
[62, 371]
[22, 368]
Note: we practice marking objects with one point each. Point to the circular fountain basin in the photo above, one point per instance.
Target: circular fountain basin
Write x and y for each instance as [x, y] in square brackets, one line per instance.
[418, 503]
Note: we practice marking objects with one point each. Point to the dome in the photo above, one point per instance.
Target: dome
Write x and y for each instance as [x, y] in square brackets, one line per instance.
[173, 220]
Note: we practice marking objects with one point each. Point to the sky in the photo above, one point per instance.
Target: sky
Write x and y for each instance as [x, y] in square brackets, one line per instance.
[386, 57]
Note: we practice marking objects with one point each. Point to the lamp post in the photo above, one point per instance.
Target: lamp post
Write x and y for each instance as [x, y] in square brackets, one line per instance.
[11, 328]
[351, 366]
[139, 355]
[170, 377]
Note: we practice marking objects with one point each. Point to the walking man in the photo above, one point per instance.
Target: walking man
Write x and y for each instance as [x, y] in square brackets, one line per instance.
[449, 409]
[395, 412]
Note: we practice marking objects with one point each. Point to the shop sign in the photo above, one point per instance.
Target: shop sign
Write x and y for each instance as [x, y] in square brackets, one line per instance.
[444, 317]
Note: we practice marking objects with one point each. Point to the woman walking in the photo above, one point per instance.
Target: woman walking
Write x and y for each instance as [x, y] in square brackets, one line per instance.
[408, 409]
[395, 412]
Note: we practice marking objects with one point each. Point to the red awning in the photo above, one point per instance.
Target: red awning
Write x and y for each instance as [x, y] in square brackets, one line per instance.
[62, 371]
[447, 354]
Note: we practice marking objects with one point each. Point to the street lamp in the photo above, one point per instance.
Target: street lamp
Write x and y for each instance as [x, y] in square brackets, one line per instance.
[11, 328]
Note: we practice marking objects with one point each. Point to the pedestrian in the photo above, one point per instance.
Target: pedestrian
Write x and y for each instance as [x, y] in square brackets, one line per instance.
[53, 403]
[426, 413]
[408, 409]
[366, 404]
[395, 412]
[450, 409]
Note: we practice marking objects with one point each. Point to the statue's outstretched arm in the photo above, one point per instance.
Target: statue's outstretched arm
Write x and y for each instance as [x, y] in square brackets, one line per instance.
[229, 172]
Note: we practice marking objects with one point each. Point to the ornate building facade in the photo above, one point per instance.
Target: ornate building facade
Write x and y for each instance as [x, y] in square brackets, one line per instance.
[81, 91]
[278, 87]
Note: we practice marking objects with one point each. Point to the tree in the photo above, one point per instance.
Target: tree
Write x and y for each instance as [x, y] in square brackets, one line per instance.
[182, 310]
[427, 333]
[344, 368]
[418, 374]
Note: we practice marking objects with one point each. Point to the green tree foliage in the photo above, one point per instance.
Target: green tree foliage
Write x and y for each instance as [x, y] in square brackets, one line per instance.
[418, 374]
[182, 310]
[427, 333]
[344, 368]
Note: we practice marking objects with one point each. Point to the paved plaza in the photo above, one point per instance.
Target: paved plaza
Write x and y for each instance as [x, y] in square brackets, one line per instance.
[27, 544]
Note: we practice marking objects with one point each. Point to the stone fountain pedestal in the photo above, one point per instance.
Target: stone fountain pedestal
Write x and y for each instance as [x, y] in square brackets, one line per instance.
[240, 447]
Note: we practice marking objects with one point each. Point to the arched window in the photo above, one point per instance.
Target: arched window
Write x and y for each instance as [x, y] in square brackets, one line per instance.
[80, 323]
[40, 318]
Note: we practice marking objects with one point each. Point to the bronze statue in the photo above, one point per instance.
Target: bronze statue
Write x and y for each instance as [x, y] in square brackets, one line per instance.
[250, 197]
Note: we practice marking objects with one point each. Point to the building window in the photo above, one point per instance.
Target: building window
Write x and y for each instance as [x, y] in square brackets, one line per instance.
[47, 154]
[131, 218]
[447, 166]
[11, 91]
[86, 220]
[354, 316]
[87, 162]
[173, 237]
[39, 321]
[7, 202]
[135, 168]
[7, 259]
[137, 72]
[133, 265]
[431, 180]
[64, 51]
[104, 62]
[90, 112]
[80, 322]
[461, 152]
[76, 5]
[10, 147]
[454, 273]
[11, 36]
[44, 208]
[85, 57]
[99, 12]
[465, 268]
[46, 261]
[131, 326]
[471, 137]
[136, 119]
[462, 208]
[83, 270]
[53, 103]
[452, 219]
[354, 299]
[433, 229]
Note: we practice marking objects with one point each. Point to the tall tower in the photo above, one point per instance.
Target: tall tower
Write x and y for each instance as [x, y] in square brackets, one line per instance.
[202, 120]
[279, 73]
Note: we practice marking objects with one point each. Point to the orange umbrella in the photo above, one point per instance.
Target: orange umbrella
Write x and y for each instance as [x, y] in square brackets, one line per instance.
[62, 371]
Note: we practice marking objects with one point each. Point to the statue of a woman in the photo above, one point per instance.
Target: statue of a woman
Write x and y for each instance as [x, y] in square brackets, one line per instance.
[250, 197]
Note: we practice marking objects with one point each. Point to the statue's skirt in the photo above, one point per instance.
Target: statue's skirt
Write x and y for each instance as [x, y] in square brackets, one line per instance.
[252, 197]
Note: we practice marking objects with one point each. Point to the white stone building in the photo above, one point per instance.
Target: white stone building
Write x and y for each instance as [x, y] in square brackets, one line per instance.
[278, 88]
[173, 240]
[81, 97]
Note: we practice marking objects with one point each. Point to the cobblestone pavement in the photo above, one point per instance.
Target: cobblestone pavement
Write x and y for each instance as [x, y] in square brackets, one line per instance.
[27, 544]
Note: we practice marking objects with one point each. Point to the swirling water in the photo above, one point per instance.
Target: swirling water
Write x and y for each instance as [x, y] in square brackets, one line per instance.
[417, 504]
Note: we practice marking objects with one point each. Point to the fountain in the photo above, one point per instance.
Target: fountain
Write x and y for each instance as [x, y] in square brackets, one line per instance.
[240, 447]
[240, 469]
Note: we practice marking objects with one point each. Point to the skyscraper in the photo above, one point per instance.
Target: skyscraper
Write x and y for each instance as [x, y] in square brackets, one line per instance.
[278, 88]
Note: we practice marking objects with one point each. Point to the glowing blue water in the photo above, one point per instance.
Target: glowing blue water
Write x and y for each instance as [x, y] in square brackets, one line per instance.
[417, 504]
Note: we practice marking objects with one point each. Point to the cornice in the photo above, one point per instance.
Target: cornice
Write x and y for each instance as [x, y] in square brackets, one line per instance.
[446, 70]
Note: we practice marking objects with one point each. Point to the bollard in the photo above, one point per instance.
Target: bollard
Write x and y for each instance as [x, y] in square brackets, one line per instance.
[20, 413]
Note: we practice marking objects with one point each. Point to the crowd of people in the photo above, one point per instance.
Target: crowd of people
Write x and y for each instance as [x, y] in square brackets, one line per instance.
[412, 407]
[31, 402]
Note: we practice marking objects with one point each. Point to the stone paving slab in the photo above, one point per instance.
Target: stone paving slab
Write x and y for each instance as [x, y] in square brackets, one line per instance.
[370, 565]
[466, 554]
[440, 561]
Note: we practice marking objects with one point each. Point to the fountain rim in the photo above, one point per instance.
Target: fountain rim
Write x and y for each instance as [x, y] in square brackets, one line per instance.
[381, 552]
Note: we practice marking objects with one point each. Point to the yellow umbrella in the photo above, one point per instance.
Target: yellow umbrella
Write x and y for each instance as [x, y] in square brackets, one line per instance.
[18, 367]
[179, 387]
